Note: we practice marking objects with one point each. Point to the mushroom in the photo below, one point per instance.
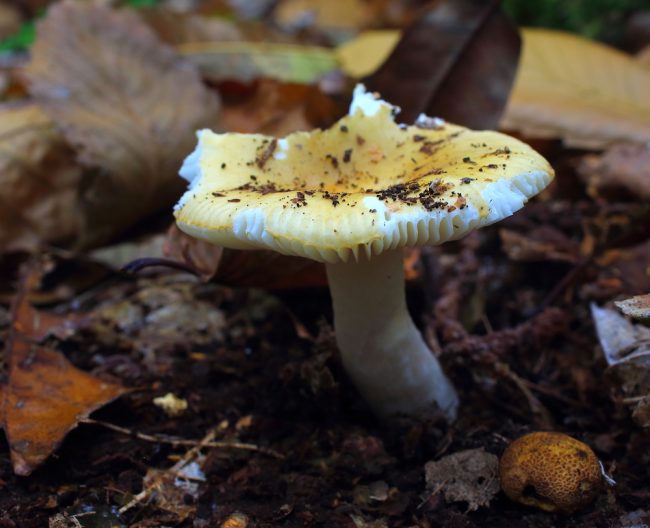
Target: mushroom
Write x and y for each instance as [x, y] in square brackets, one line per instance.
[551, 471]
[353, 196]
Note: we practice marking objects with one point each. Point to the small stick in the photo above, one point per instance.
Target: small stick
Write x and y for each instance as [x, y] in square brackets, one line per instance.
[171, 472]
[175, 441]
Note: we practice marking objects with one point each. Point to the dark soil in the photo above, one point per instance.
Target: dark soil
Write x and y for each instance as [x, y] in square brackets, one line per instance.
[263, 368]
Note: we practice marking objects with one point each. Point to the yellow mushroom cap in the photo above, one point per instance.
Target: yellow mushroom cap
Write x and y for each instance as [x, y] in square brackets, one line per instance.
[551, 471]
[364, 185]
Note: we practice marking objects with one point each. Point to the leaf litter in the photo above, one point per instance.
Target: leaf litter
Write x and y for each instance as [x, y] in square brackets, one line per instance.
[507, 310]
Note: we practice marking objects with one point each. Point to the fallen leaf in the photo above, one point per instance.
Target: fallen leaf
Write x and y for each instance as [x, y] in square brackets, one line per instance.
[538, 245]
[39, 181]
[626, 347]
[364, 54]
[637, 307]
[337, 17]
[247, 61]
[278, 109]
[619, 338]
[643, 57]
[584, 92]
[176, 28]
[444, 65]
[45, 396]
[10, 20]
[641, 412]
[469, 476]
[126, 101]
[622, 168]
[245, 269]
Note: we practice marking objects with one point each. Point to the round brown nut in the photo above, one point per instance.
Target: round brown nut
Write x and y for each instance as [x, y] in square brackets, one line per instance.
[551, 471]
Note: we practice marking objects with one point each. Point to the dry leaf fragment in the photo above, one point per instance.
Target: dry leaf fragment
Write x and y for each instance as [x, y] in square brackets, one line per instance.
[622, 167]
[45, 396]
[619, 338]
[587, 93]
[467, 476]
[337, 16]
[126, 101]
[177, 28]
[248, 61]
[456, 61]
[39, 180]
[627, 350]
[637, 307]
[261, 269]
[542, 244]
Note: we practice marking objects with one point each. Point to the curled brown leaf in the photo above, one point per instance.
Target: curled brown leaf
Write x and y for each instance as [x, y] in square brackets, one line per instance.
[39, 180]
[126, 102]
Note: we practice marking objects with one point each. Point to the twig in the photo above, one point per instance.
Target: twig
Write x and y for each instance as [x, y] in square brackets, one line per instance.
[171, 472]
[147, 262]
[175, 441]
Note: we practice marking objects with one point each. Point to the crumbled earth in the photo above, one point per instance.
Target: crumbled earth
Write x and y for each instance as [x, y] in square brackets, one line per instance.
[261, 368]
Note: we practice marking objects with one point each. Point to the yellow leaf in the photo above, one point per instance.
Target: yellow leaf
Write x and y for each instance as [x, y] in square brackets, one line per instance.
[586, 93]
[362, 55]
[246, 61]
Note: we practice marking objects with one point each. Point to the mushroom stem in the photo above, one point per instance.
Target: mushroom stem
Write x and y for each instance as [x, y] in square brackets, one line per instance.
[382, 350]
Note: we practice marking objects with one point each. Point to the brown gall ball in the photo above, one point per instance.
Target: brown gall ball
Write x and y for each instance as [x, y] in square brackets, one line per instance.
[550, 471]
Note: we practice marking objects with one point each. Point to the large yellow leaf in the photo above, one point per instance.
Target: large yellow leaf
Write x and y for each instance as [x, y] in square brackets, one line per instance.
[246, 61]
[569, 87]
[364, 54]
[584, 92]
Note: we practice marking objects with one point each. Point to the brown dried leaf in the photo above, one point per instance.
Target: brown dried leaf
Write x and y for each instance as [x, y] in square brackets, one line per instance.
[446, 64]
[278, 109]
[245, 269]
[39, 180]
[643, 57]
[637, 307]
[10, 20]
[467, 476]
[622, 167]
[126, 101]
[618, 337]
[178, 28]
[45, 396]
[542, 244]
[564, 88]
[336, 16]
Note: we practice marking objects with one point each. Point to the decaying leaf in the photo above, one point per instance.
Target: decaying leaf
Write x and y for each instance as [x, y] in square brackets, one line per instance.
[39, 180]
[457, 61]
[261, 269]
[623, 168]
[364, 54]
[126, 101]
[45, 396]
[178, 28]
[10, 20]
[278, 109]
[637, 307]
[170, 489]
[247, 61]
[336, 16]
[542, 244]
[469, 476]
[627, 350]
[587, 93]
[619, 338]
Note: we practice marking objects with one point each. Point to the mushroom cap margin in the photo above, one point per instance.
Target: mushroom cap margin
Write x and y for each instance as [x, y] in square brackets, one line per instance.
[365, 185]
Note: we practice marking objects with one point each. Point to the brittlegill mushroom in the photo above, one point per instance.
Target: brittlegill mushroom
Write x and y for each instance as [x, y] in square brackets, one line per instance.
[353, 196]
